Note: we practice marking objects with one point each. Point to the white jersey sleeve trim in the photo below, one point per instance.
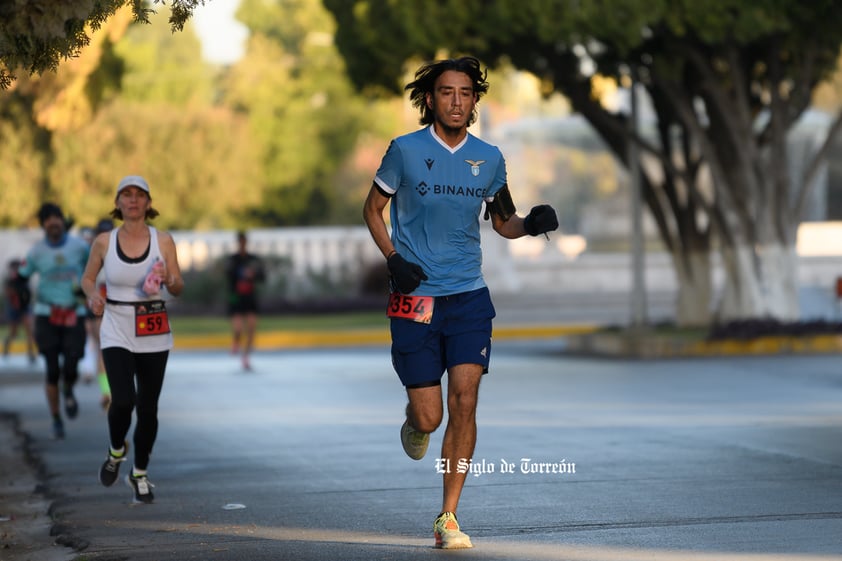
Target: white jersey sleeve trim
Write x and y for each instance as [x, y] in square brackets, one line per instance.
[384, 186]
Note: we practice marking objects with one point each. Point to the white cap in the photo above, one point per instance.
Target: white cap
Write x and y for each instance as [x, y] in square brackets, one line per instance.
[133, 181]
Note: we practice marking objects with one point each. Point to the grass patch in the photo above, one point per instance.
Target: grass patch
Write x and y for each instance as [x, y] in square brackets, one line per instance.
[210, 325]
[196, 325]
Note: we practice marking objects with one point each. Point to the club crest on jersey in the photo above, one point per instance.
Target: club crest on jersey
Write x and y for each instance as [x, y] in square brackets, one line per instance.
[475, 166]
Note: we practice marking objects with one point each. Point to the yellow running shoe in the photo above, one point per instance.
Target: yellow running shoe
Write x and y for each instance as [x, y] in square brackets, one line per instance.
[414, 442]
[447, 533]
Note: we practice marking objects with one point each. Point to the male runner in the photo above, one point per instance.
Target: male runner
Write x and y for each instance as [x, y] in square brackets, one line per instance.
[59, 259]
[437, 180]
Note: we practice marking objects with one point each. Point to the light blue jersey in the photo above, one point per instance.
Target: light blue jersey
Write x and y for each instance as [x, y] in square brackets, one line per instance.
[60, 268]
[437, 194]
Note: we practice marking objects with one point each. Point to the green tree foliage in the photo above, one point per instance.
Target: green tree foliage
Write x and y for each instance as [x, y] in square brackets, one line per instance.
[122, 107]
[21, 166]
[728, 79]
[199, 159]
[36, 35]
[199, 164]
[164, 67]
[291, 145]
[36, 108]
[302, 110]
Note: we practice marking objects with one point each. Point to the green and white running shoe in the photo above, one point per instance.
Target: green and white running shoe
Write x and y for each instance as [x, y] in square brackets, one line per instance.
[448, 534]
[414, 442]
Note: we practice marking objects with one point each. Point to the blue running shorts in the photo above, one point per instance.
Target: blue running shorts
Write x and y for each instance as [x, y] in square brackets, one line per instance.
[459, 333]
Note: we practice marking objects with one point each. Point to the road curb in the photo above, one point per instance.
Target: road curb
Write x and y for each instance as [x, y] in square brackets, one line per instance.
[656, 346]
[279, 340]
[579, 339]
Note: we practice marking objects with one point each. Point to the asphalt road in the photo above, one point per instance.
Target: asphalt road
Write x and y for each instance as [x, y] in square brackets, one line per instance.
[704, 459]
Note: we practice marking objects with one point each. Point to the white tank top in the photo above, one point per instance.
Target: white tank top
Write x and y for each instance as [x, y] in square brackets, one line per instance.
[124, 282]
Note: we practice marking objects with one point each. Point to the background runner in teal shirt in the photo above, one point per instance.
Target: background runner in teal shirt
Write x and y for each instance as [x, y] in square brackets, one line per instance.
[58, 260]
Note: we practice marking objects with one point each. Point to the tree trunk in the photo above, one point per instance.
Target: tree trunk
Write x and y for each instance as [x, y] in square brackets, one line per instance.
[694, 289]
[761, 284]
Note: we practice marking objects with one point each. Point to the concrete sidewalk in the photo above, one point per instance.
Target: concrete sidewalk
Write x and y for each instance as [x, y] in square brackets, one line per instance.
[25, 521]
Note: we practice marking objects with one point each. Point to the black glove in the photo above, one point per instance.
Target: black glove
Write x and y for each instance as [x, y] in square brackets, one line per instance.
[406, 276]
[540, 219]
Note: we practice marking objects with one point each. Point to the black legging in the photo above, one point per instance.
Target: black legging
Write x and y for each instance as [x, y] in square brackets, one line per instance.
[62, 347]
[123, 368]
[66, 370]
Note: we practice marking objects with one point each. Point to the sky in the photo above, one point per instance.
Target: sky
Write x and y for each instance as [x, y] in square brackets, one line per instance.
[223, 37]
